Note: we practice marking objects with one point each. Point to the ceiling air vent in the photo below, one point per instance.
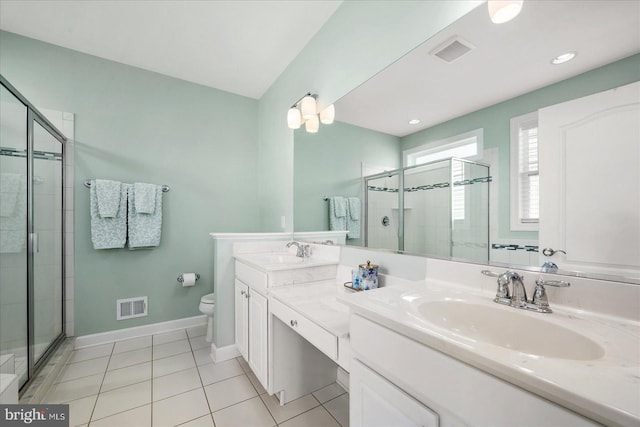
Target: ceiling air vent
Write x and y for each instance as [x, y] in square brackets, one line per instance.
[452, 49]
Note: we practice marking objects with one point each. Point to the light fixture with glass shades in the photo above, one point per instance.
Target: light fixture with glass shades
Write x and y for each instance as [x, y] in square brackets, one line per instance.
[305, 110]
[502, 11]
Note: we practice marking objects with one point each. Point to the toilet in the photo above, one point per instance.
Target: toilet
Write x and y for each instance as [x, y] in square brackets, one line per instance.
[207, 306]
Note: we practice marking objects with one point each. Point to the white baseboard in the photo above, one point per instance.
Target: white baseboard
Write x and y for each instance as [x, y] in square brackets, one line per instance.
[139, 331]
[343, 378]
[224, 353]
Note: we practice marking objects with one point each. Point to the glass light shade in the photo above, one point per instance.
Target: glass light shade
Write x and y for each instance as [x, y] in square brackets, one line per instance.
[308, 107]
[294, 119]
[502, 11]
[312, 124]
[327, 115]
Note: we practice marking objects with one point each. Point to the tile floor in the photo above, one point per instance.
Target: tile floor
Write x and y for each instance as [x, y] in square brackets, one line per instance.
[169, 379]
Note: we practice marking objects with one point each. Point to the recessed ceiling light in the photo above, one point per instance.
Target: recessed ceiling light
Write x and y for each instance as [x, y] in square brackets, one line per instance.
[565, 57]
[414, 121]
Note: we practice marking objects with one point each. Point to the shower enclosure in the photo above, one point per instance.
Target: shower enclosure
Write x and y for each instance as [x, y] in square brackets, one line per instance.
[31, 235]
[443, 210]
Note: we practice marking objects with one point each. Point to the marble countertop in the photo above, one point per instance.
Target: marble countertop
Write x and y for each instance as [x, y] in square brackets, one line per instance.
[318, 302]
[606, 389]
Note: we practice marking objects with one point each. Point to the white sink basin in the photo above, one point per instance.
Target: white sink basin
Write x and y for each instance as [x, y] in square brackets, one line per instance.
[510, 329]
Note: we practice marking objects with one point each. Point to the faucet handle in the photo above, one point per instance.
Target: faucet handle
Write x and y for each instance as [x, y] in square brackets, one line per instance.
[503, 296]
[539, 299]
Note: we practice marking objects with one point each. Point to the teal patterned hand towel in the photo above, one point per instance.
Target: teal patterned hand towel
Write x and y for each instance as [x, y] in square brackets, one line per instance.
[337, 213]
[145, 196]
[353, 218]
[145, 230]
[108, 197]
[108, 233]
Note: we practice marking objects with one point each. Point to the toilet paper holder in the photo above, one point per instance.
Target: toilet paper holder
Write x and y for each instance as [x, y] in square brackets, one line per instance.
[181, 279]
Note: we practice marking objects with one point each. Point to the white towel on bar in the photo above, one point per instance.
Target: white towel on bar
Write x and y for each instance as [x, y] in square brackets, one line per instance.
[145, 197]
[108, 197]
[108, 233]
[353, 218]
[145, 230]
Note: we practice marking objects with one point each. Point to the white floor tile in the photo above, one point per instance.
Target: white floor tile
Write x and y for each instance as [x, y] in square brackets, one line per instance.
[197, 331]
[130, 358]
[329, 392]
[291, 409]
[92, 352]
[74, 389]
[176, 383]
[83, 369]
[132, 344]
[138, 417]
[122, 399]
[214, 372]
[317, 417]
[170, 349]
[180, 409]
[80, 410]
[199, 342]
[339, 409]
[251, 412]
[169, 365]
[166, 337]
[229, 392]
[203, 356]
[205, 421]
[126, 376]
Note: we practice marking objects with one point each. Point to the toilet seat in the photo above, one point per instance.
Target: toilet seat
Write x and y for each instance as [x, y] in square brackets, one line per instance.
[208, 299]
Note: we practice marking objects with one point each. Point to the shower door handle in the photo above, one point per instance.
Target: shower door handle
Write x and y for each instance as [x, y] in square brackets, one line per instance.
[35, 244]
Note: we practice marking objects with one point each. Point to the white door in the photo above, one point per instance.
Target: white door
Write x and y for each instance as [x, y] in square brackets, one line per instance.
[242, 318]
[589, 153]
[258, 317]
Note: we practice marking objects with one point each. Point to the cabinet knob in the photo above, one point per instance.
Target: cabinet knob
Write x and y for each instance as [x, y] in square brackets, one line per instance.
[294, 323]
[241, 292]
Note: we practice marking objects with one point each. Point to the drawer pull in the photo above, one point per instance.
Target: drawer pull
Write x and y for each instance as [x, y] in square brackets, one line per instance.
[294, 323]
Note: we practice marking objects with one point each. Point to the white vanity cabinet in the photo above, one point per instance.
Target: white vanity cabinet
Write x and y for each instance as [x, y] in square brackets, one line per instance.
[252, 307]
[251, 328]
[412, 381]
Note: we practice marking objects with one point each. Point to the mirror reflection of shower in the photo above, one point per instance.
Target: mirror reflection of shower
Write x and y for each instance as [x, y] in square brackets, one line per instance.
[443, 210]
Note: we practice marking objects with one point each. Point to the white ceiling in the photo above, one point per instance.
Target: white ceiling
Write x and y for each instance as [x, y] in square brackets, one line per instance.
[236, 46]
[508, 60]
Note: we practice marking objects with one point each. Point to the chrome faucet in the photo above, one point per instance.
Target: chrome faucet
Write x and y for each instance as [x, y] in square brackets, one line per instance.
[300, 253]
[518, 296]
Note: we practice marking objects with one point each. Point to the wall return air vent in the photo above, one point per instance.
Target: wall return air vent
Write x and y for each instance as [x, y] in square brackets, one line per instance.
[131, 307]
[452, 49]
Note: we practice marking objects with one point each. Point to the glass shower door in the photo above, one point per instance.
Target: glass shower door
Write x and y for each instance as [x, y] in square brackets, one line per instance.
[382, 215]
[46, 238]
[13, 236]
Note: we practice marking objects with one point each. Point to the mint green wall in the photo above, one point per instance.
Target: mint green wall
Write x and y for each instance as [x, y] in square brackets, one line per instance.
[133, 125]
[495, 121]
[359, 40]
[328, 163]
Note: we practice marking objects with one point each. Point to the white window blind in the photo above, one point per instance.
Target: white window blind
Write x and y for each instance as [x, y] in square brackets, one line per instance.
[525, 177]
[528, 171]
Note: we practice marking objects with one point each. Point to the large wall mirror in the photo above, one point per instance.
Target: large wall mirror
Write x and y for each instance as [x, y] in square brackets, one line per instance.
[511, 154]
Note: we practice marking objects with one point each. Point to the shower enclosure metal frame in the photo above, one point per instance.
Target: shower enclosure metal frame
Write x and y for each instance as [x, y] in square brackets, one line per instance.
[401, 173]
[33, 115]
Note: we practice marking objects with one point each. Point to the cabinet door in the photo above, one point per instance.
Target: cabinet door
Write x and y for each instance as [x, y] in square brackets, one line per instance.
[242, 318]
[258, 316]
[375, 402]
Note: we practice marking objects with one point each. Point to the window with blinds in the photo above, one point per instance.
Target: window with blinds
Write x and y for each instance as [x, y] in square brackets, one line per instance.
[525, 178]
